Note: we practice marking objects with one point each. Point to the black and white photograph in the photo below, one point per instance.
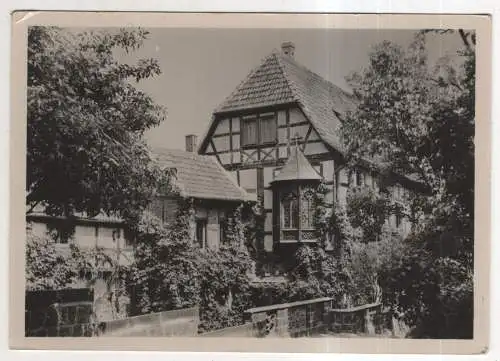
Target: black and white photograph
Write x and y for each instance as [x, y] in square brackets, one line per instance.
[211, 182]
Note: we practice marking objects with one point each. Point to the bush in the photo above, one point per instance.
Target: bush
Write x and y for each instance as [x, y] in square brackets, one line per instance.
[46, 267]
[225, 287]
[165, 273]
[367, 264]
[170, 273]
[315, 273]
[368, 210]
[443, 287]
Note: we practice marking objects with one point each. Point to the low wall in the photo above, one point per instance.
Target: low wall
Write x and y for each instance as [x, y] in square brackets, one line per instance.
[308, 318]
[182, 322]
[245, 330]
[303, 318]
[366, 319]
[59, 313]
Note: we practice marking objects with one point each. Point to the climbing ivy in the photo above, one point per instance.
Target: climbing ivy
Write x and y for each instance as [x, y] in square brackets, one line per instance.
[50, 267]
[225, 277]
[169, 272]
[164, 274]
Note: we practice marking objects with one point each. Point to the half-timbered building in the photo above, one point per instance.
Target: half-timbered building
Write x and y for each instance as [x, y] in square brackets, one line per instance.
[278, 133]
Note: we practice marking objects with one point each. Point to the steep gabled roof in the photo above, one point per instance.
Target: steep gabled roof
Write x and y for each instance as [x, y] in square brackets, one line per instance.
[265, 85]
[201, 176]
[279, 79]
[297, 167]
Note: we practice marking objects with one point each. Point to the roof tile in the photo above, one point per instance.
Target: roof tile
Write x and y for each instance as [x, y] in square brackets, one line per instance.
[201, 176]
[279, 79]
[297, 167]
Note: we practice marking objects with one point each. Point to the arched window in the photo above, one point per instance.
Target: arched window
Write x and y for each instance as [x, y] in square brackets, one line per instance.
[307, 209]
[290, 210]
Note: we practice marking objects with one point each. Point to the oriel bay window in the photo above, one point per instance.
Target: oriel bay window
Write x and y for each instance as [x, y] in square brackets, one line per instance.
[258, 130]
[294, 189]
[290, 211]
[297, 214]
[307, 209]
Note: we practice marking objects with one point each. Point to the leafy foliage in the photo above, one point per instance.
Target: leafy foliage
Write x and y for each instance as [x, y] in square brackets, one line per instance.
[46, 268]
[49, 267]
[86, 119]
[225, 286]
[165, 270]
[368, 264]
[419, 121]
[443, 287]
[169, 272]
[368, 210]
[315, 274]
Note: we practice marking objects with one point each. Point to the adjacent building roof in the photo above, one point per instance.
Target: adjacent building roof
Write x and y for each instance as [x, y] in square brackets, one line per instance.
[279, 79]
[201, 176]
[297, 167]
[39, 213]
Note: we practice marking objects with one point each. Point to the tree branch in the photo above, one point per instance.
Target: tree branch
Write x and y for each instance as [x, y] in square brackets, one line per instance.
[32, 207]
[465, 40]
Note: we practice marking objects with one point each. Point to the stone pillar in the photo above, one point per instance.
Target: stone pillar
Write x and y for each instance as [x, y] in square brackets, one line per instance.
[282, 323]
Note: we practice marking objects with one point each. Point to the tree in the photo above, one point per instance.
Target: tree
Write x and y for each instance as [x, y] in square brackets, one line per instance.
[86, 118]
[418, 121]
[368, 210]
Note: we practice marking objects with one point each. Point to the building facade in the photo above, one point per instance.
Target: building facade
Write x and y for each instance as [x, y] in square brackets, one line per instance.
[107, 233]
[278, 133]
[213, 191]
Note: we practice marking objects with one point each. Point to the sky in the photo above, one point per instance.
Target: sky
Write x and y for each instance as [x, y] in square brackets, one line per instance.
[201, 67]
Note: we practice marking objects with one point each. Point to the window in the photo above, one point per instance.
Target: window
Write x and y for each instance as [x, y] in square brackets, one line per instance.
[223, 231]
[307, 210]
[128, 235]
[201, 232]
[163, 212]
[249, 132]
[374, 180]
[268, 130]
[290, 210]
[61, 232]
[399, 219]
[259, 131]
[359, 178]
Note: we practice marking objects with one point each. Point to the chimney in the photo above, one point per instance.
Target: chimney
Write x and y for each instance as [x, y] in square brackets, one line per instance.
[288, 48]
[191, 141]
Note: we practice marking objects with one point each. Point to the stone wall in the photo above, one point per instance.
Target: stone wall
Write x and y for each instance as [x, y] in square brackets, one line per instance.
[71, 313]
[303, 318]
[182, 322]
[60, 320]
[309, 318]
[245, 330]
[367, 319]
[59, 313]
